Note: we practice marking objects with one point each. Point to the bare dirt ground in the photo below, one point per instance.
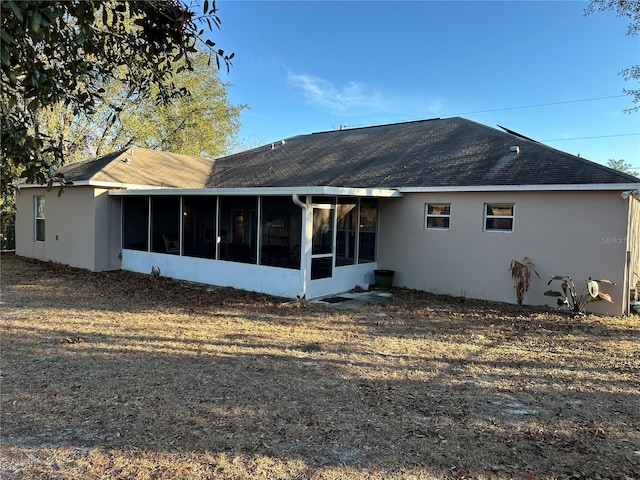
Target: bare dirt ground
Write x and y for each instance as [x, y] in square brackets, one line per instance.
[119, 375]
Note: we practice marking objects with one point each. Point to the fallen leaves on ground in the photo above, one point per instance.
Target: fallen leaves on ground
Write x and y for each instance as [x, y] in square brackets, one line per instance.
[120, 375]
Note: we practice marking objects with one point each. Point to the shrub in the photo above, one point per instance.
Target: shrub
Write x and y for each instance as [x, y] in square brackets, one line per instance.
[570, 298]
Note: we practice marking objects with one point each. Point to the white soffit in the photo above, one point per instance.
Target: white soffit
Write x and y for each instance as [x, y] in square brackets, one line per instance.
[267, 191]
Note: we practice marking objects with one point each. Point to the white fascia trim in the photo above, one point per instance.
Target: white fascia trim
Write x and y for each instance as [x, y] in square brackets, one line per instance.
[119, 185]
[266, 191]
[524, 188]
[90, 183]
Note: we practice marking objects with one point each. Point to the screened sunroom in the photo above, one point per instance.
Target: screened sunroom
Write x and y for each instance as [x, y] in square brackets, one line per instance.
[280, 243]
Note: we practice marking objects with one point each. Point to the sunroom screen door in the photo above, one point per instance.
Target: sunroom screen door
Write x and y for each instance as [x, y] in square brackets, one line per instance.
[323, 242]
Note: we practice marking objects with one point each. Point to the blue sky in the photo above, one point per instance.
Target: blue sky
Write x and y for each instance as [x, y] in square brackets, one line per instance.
[309, 66]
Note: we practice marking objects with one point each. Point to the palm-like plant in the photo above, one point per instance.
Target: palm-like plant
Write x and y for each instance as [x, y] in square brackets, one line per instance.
[570, 298]
[521, 274]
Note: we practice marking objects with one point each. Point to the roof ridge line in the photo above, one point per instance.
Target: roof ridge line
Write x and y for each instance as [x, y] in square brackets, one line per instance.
[362, 127]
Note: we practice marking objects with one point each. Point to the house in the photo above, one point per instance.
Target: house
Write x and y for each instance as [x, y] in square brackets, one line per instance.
[444, 203]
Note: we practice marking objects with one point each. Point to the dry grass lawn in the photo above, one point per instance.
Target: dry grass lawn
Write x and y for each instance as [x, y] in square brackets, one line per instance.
[119, 375]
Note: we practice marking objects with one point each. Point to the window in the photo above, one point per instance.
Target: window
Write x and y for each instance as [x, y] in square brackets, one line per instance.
[39, 217]
[346, 233]
[199, 226]
[322, 239]
[165, 224]
[437, 216]
[238, 229]
[281, 232]
[368, 229]
[322, 243]
[135, 223]
[498, 217]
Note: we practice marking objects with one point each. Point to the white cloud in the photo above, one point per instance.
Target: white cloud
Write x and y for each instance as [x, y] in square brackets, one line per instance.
[352, 97]
[357, 98]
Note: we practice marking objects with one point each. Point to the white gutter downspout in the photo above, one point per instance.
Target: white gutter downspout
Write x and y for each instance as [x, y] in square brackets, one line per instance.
[628, 282]
[296, 199]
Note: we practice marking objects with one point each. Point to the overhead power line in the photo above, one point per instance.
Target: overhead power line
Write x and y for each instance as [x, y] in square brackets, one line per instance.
[556, 103]
[588, 138]
[535, 105]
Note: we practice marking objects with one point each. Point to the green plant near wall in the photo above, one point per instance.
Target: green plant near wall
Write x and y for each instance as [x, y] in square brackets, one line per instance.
[574, 301]
[521, 274]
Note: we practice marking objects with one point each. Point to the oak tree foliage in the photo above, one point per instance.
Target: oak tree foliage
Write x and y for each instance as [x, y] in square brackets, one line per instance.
[629, 9]
[203, 123]
[622, 166]
[55, 53]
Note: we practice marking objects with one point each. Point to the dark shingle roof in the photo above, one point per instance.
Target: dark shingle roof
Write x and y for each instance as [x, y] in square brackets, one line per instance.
[452, 152]
[429, 153]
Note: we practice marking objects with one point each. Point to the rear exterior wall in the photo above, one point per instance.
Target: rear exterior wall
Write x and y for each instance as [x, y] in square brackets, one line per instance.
[81, 227]
[580, 234]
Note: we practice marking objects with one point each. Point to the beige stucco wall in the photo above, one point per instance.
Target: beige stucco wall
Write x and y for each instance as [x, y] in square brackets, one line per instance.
[77, 227]
[580, 234]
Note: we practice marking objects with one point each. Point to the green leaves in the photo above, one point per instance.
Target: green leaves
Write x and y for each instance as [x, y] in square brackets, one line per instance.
[36, 21]
[15, 9]
[61, 52]
[630, 10]
[199, 121]
[577, 302]
[553, 293]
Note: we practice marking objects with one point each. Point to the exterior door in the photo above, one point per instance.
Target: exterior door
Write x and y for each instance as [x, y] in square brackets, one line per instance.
[322, 249]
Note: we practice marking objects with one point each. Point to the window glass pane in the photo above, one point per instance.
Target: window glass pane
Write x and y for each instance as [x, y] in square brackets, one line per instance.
[165, 225]
[39, 218]
[40, 201]
[438, 222]
[500, 210]
[40, 230]
[346, 234]
[281, 232]
[199, 226]
[135, 223]
[368, 230]
[322, 240]
[505, 224]
[438, 209]
[238, 229]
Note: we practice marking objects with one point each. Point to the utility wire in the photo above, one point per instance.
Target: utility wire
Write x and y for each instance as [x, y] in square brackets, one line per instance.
[536, 105]
[588, 138]
[550, 104]
[539, 105]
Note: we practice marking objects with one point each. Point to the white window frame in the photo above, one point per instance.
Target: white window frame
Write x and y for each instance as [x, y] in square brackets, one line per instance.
[37, 201]
[488, 217]
[428, 215]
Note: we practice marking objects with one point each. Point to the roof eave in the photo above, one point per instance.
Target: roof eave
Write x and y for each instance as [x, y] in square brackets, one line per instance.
[523, 188]
[91, 183]
[269, 191]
